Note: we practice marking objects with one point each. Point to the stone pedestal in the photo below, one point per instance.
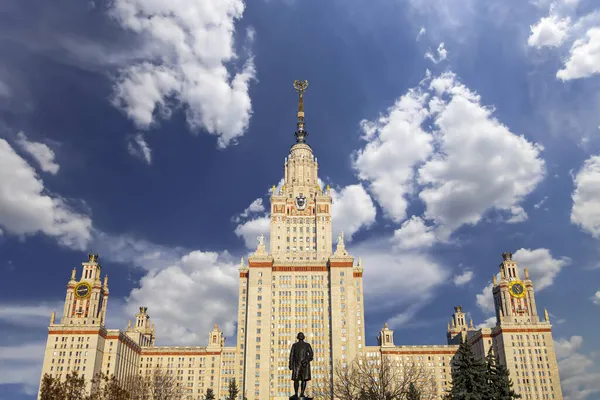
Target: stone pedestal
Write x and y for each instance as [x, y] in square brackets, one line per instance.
[294, 397]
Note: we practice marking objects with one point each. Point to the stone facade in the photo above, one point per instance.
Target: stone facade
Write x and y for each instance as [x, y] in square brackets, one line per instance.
[299, 285]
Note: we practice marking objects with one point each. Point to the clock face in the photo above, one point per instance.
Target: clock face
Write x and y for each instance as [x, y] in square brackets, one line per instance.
[300, 202]
[517, 289]
[82, 290]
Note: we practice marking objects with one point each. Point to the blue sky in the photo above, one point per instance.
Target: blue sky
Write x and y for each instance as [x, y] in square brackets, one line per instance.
[450, 132]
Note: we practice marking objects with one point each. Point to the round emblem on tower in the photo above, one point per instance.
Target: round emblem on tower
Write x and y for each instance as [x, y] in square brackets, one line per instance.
[300, 202]
[83, 290]
[516, 289]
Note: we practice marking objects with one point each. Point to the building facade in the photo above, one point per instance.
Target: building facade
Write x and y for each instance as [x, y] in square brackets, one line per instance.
[296, 284]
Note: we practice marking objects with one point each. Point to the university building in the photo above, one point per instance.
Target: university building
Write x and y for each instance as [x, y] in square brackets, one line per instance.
[299, 283]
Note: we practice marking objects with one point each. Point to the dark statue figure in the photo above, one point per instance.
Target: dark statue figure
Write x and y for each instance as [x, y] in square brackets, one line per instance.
[300, 357]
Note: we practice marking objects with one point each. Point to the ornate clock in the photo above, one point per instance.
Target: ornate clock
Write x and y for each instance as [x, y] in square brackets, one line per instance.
[300, 202]
[516, 289]
[83, 290]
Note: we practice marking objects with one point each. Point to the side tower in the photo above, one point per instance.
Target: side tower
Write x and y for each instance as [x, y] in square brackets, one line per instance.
[142, 332]
[458, 330]
[77, 342]
[520, 339]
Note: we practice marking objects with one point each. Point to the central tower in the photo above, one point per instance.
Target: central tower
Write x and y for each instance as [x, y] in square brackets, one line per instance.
[300, 209]
[298, 284]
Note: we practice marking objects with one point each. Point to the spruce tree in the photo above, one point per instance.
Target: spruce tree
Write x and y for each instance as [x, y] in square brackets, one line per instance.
[233, 390]
[490, 375]
[468, 376]
[210, 395]
[503, 384]
[413, 392]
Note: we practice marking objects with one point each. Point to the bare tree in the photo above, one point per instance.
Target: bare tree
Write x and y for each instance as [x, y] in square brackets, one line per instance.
[375, 379]
[158, 385]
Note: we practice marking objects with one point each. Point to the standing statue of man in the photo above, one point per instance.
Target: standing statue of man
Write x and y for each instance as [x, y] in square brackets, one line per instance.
[300, 357]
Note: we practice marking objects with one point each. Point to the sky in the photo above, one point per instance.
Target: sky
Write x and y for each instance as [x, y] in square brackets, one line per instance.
[150, 132]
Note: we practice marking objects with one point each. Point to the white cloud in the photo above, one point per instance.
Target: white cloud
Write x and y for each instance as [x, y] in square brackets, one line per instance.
[584, 58]
[396, 142]
[586, 197]
[138, 147]
[596, 298]
[478, 155]
[192, 66]
[541, 202]
[543, 269]
[550, 31]
[463, 279]
[29, 315]
[27, 208]
[478, 164]
[352, 209]
[414, 234]
[422, 31]
[256, 207]
[485, 300]
[42, 154]
[210, 279]
[488, 323]
[386, 283]
[579, 376]
[442, 54]
[250, 230]
[20, 365]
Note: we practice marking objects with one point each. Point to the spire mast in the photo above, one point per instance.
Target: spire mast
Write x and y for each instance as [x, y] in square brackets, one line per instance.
[300, 132]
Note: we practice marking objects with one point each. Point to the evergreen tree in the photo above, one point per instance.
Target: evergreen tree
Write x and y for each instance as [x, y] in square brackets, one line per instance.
[503, 384]
[210, 395]
[490, 374]
[468, 376]
[413, 392]
[233, 390]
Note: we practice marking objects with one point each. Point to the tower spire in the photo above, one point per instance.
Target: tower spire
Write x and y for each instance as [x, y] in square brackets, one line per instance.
[300, 134]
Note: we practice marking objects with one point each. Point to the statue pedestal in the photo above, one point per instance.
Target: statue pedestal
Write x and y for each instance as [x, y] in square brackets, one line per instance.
[294, 397]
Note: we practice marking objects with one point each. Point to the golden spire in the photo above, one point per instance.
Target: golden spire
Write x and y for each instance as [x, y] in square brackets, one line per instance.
[300, 132]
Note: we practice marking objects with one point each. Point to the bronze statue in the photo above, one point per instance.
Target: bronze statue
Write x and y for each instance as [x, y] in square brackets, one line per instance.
[300, 357]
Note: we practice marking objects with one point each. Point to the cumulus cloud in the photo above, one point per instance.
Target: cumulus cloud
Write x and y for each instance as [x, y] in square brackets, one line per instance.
[467, 164]
[463, 279]
[42, 154]
[251, 229]
[485, 299]
[488, 323]
[352, 209]
[27, 208]
[584, 57]
[396, 142]
[579, 376]
[138, 147]
[414, 234]
[478, 155]
[596, 298]
[586, 197]
[210, 279]
[193, 65]
[550, 31]
[543, 270]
